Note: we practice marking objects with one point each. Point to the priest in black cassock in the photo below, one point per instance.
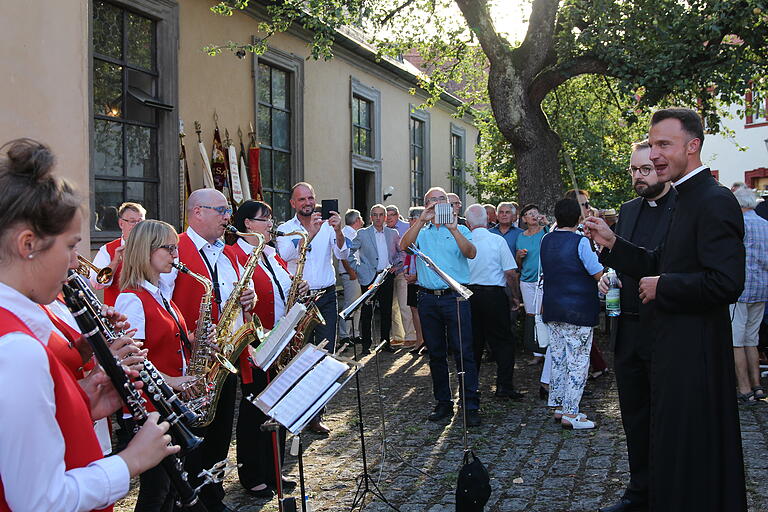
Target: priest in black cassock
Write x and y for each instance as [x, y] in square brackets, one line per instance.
[695, 440]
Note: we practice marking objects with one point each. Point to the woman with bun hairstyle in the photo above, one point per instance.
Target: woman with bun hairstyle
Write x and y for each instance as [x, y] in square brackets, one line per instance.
[271, 281]
[149, 251]
[49, 455]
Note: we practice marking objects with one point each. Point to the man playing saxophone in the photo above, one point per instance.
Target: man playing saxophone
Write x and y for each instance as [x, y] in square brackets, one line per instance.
[202, 250]
[325, 239]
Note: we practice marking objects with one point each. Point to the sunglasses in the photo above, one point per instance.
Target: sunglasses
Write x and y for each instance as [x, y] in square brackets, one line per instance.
[221, 210]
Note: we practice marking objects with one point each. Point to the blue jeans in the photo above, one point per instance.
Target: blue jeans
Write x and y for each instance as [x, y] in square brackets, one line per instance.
[438, 316]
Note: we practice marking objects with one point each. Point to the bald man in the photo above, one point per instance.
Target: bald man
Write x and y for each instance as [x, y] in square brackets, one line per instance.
[203, 251]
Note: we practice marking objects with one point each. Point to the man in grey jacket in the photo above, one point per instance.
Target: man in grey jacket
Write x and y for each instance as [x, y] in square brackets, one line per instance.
[372, 250]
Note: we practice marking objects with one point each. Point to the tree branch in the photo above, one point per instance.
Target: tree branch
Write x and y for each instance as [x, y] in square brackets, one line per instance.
[395, 11]
[536, 51]
[481, 23]
[553, 77]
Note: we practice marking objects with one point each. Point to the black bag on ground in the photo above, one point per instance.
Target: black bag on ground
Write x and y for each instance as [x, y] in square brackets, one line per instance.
[473, 487]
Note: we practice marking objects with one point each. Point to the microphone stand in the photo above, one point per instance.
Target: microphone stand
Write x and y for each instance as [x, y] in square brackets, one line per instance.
[366, 484]
[463, 294]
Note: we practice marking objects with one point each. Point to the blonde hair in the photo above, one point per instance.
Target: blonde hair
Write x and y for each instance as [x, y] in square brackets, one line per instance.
[136, 207]
[147, 236]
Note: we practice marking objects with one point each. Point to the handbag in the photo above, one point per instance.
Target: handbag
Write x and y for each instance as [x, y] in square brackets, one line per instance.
[473, 487]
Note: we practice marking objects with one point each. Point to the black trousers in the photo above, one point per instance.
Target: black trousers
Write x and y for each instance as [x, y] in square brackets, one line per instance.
[255, 450]
[327, 306]
[215, 446]
[384, 298]
[156, 494]
[491, 324]
[633, 376]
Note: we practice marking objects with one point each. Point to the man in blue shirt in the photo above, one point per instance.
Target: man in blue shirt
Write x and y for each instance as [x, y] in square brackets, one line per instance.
[506, 216]
[441, 310]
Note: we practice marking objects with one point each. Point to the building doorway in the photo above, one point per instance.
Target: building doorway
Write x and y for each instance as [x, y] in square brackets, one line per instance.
[364, 191]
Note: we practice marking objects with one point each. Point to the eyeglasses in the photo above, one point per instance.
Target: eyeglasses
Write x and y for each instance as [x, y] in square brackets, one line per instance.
[645, 170]
[171, 248]
[221, 210]
[585, 204]
[436, 199]
[131, 221]
[263, 220]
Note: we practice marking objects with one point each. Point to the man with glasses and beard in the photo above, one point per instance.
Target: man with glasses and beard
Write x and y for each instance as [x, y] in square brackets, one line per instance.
[644, 222]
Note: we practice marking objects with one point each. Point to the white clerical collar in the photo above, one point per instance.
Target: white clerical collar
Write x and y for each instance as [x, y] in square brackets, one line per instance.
[651, 203]
[689, 175]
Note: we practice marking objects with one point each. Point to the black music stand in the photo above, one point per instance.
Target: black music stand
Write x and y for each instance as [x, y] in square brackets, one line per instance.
[294, 412]
[365, 484]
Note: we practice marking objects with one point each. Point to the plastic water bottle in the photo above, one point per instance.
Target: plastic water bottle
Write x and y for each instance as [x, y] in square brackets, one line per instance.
[612, 298]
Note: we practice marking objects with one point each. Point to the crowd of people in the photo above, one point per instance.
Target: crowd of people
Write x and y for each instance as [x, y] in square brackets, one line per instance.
[690, 256]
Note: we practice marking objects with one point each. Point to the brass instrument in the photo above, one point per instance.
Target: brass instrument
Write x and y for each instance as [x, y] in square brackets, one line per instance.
[214, 363]
[313, 317]
[103, 275]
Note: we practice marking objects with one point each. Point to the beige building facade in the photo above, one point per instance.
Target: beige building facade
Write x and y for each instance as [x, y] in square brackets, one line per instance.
[105, 83]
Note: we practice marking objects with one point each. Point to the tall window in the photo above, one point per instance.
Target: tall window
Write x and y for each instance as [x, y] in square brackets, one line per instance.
[274, 118]
[125, 110]
[759, 108]
[457, 164]
[417, 161]
[362, 126]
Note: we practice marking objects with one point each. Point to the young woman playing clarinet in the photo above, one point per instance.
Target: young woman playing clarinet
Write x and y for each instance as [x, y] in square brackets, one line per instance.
[149, 252]
[49, 455]
[271, 281]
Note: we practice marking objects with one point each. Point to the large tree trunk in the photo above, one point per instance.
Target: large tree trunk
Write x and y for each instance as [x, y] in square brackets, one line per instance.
[535, 144]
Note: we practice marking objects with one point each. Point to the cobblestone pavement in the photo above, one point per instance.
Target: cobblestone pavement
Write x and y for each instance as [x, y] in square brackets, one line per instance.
[534, 464]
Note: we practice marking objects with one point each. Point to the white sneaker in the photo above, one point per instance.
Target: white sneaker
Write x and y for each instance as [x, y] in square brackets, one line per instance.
[559, 415]
[580, 422]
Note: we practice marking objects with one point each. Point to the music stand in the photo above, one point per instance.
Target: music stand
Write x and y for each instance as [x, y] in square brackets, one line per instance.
[464, 293]
[366, 484]
[306, 384]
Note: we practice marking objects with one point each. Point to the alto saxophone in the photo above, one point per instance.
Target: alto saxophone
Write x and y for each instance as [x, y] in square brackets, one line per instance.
[312, 318]
[219, 363]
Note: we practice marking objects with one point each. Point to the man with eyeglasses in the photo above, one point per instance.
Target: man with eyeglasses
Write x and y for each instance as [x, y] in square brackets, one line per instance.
[203, 251]
[111, 254]
[326, 240]
[644, 222]
[455, 202]
[445, 318]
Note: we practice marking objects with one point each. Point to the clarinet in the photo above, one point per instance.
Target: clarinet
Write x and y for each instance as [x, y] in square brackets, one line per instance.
[153, 380]
[91, 324]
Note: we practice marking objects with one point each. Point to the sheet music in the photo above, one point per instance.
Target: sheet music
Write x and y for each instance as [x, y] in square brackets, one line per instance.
[299, 425]
[300, 364]
[308, 391]
[370, 291]
[279, 337]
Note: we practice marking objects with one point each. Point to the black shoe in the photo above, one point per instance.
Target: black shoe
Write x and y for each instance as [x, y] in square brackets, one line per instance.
[441, 411]
[510, 395]
[266, 493]
[388, 348]
[625, 505]
[473, 418]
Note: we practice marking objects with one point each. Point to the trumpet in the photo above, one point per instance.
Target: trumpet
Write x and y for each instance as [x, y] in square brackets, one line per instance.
[103, 275]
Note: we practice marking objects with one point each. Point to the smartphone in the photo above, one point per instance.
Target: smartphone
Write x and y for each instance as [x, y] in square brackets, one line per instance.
[327, 206]
[443, 213]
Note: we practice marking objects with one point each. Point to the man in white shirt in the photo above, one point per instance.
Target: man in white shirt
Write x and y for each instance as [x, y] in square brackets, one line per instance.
[490, 271]
[325, 241]
[202, 250]
[111, 254]
[353, 221]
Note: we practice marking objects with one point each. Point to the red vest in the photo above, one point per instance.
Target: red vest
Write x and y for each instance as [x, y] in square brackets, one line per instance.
[72, 406]
[265, 304]
[187, 292]
[113, 290]
[63, 348]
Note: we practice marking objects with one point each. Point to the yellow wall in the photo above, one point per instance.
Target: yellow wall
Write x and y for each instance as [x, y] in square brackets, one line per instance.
[44, 87]
[225, 83]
